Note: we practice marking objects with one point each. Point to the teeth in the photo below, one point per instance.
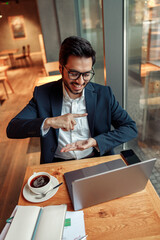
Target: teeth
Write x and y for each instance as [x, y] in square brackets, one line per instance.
[77, 85]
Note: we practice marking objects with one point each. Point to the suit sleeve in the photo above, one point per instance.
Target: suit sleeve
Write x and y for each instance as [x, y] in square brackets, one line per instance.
[124, 128]
[27, 123]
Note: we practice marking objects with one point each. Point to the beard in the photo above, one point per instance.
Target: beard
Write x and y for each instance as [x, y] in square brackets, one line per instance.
[68, 86]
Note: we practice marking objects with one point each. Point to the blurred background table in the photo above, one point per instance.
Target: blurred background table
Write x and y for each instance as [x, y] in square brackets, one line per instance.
[10, 53]
[4, 79]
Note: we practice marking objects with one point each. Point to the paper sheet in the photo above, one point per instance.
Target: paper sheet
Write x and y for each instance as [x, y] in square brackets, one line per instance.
[51, 223]
[77, 228]
[24, 217]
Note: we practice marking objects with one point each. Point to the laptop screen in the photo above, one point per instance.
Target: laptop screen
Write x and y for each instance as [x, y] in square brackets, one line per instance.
[87, 187]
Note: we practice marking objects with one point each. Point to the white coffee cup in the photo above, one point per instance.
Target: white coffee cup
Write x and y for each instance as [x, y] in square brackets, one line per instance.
[40, 182]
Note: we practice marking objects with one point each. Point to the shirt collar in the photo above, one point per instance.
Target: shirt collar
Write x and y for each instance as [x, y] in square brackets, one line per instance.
[67, 97]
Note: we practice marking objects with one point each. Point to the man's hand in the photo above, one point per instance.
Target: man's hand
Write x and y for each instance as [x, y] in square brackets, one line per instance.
[80, 145]
[65, 122]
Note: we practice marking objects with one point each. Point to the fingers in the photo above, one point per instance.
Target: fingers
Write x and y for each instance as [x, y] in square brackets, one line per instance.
[66, 122]
[79, 145]
[75, 115]
[70, 122]
[69, 147]
[73, 121]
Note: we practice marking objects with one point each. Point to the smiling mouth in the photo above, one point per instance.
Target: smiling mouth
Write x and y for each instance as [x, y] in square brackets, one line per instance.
[77, 86]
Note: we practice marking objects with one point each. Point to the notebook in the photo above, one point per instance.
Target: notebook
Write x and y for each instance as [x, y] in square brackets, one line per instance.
[37, 223]
[106, 181]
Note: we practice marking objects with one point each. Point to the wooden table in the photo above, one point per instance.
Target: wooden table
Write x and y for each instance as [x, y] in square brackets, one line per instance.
[47, 79]
[136, 216]
[4, 79]
[3, 68]
[10, 53]
[145, 69]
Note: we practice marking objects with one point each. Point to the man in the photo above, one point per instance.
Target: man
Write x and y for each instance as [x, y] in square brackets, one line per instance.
[73, 116]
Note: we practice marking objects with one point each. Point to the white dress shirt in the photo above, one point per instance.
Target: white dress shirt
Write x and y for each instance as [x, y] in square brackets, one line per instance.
[81, 129]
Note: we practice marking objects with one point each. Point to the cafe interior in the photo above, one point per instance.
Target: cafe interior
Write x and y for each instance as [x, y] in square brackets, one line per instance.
[127, 45]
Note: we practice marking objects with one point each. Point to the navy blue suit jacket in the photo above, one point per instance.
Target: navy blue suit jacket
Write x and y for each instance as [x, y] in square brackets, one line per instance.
[102, 108]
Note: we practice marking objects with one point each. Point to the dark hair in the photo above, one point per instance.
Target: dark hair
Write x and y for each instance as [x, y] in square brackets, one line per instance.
[76, 46]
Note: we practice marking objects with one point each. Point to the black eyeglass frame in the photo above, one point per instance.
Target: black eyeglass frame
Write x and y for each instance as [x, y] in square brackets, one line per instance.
[79, 74]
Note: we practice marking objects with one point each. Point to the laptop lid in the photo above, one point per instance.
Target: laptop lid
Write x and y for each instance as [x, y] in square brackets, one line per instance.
[90, 171]
[109, 184]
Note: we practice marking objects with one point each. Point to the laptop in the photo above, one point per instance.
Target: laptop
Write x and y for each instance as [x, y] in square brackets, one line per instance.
[106, 181]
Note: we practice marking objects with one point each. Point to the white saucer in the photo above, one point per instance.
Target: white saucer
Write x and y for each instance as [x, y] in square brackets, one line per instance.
[31, 197]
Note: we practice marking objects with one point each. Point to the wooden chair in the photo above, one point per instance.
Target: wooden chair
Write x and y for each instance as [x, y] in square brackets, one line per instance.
[51, 67]
[4, 79]
[151, 98]
[4, 60]
[23, 57]
[28, 56]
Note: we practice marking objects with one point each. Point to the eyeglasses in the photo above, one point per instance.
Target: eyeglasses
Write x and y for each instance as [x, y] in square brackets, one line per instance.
[74, 75]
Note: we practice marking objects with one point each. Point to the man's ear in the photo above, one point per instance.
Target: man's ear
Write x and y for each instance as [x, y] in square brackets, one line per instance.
[60, 68]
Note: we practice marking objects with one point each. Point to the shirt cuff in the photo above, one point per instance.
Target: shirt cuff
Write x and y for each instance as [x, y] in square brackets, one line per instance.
[44, 131]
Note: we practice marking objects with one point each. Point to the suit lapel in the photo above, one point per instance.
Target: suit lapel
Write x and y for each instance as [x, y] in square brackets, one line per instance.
[91, 98]
[56, 101]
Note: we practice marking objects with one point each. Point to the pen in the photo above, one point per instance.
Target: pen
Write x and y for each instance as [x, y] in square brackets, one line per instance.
[84, 237]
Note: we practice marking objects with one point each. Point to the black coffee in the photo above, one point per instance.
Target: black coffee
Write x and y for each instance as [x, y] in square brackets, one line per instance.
[39, 181]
